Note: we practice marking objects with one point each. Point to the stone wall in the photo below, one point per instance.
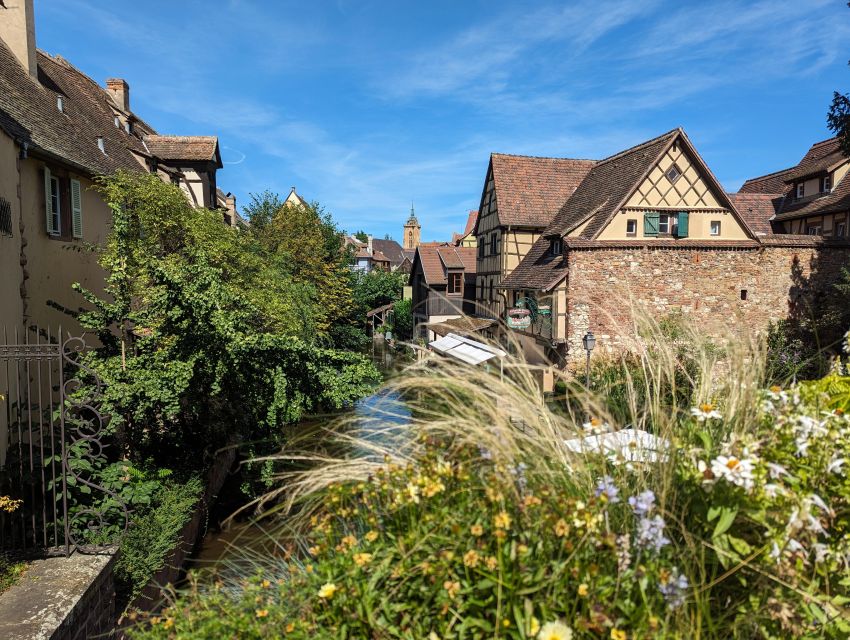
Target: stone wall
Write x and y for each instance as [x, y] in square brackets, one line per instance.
[61, 599]
[722, 289]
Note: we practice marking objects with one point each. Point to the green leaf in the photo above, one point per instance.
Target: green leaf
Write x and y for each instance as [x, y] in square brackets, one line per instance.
[727, 517]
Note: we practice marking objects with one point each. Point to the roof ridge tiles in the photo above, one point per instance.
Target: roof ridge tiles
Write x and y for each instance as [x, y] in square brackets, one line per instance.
[769, 175]
[637, 147]
[523, 155]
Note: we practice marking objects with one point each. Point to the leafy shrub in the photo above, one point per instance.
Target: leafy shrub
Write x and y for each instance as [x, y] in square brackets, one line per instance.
[477, 520]
[10, 572]
[153, 534]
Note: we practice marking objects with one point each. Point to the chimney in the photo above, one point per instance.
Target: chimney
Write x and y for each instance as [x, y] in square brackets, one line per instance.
[120, 92]
[17, 30]
[369, 243]
[230, 205]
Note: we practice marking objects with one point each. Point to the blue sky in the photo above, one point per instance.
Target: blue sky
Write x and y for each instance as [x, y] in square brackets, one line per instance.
[367, 105]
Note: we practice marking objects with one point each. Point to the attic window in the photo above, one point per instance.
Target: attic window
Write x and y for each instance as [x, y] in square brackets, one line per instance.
[673, 173]
[555, 247]
[101, 145]
[60, 103]
[801, 189]
[128, 127]
[117, 122]
[826, 184]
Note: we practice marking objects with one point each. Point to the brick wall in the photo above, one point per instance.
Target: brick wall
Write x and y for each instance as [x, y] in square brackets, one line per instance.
[784, 277]
[94, 614]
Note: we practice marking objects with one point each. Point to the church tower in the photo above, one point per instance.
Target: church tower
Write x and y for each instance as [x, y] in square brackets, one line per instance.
[411, 231]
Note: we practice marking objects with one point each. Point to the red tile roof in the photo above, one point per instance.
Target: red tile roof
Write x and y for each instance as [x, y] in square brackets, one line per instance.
[192, 148]
[530, 191]
[770, 183]
[758, 209]
[819, 158]
[437, 258]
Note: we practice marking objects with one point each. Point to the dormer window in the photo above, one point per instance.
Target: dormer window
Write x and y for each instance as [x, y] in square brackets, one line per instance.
[801, 190]
[555, 247]
[117, 122]
[60, 103]
[128, 127]
[826, 184]
[101, 145]
[454, 285]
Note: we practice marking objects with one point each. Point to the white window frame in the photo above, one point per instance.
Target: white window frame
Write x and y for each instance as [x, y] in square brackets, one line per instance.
[827, 183]
[714, 228]
[633, 224]
[556, 247]
[814, 230]
[840, 229]
[663, 224]
[801, 189]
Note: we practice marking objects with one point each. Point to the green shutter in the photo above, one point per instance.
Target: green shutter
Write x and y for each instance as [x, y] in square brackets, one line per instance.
[683, 224]
[650, 223]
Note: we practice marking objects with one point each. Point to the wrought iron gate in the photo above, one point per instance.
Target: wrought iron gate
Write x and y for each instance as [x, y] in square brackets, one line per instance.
[51, 435]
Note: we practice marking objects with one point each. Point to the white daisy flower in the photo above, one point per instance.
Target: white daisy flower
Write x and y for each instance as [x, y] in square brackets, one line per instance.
[734, 470]
[705, 411]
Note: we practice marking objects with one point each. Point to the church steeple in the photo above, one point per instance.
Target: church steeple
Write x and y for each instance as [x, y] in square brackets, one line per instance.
[412, 229]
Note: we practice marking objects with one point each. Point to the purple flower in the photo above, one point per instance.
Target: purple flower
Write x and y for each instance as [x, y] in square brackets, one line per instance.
[607, 488]
[650, 533]
[674, 588]
[642, 503]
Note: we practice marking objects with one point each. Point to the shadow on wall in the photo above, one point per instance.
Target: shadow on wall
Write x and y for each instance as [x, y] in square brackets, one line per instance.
[818, 309]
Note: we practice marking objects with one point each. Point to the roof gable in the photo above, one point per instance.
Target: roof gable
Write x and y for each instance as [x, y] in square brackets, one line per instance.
[436, 258]
[606, 187]
[530, 190]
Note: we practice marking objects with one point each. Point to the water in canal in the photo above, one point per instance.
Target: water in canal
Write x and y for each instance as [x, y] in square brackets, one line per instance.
[246, 540]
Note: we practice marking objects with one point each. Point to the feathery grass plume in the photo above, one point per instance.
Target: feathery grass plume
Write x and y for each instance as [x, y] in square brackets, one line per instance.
[470, 505]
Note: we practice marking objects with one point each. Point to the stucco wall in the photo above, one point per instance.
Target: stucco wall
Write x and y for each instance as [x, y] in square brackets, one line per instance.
[10, 246]
[605, 285]
[53, 265]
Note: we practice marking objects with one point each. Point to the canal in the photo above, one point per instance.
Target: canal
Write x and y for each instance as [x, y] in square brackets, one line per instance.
[230, 547]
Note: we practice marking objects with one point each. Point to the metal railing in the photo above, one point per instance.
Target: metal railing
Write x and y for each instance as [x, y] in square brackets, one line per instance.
[51, 435]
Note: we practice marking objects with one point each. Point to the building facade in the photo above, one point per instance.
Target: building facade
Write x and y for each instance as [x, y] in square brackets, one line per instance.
[652, 228]
[59, 131]
[811, 198]
[443, 285]
[521, 196]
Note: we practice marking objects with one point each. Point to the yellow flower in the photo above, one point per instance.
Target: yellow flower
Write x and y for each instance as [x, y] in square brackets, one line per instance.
[262, 613]
[314, 550]
[265, 584]
[506, 623]
[432, 488]
[371, 536]
[618, 634]
[452, 587]
[583, 590]
[555, 631]
[327, 591]
[522, 549]
[531, 501]
[491, 563]
[493, 495]
[477, 530]
[290, 627]
[169, 622]
[533, 626]
[412, 492]
[471, 558]
[349, 541]
[362, 559]
[562, 529]
[502, 520]
[500, 534]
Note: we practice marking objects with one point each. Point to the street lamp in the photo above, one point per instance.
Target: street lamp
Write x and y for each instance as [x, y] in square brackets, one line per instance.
[589, 341]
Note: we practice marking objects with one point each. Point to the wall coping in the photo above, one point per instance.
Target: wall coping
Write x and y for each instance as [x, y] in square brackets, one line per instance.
[47, 594]
[777, 240]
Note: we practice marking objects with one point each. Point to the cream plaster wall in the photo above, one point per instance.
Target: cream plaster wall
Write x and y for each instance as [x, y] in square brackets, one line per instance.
[11, 309]
[699, 224]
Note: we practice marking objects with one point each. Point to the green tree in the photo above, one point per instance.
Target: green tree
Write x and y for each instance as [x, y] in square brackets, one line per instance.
[195, 353]
[838, 118]
[362, 236]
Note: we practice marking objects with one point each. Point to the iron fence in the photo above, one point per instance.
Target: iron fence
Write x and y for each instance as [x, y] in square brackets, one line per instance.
[52, 437]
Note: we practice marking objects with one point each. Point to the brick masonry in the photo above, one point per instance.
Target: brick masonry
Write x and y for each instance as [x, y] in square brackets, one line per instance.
[604, 284]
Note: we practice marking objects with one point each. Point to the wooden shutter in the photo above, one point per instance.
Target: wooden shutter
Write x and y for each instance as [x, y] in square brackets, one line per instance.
[48, 203]
[650, 223]
[683, 225]
[76, 209]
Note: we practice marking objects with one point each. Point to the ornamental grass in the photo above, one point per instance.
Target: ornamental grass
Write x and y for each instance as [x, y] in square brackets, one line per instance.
[478, 516]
